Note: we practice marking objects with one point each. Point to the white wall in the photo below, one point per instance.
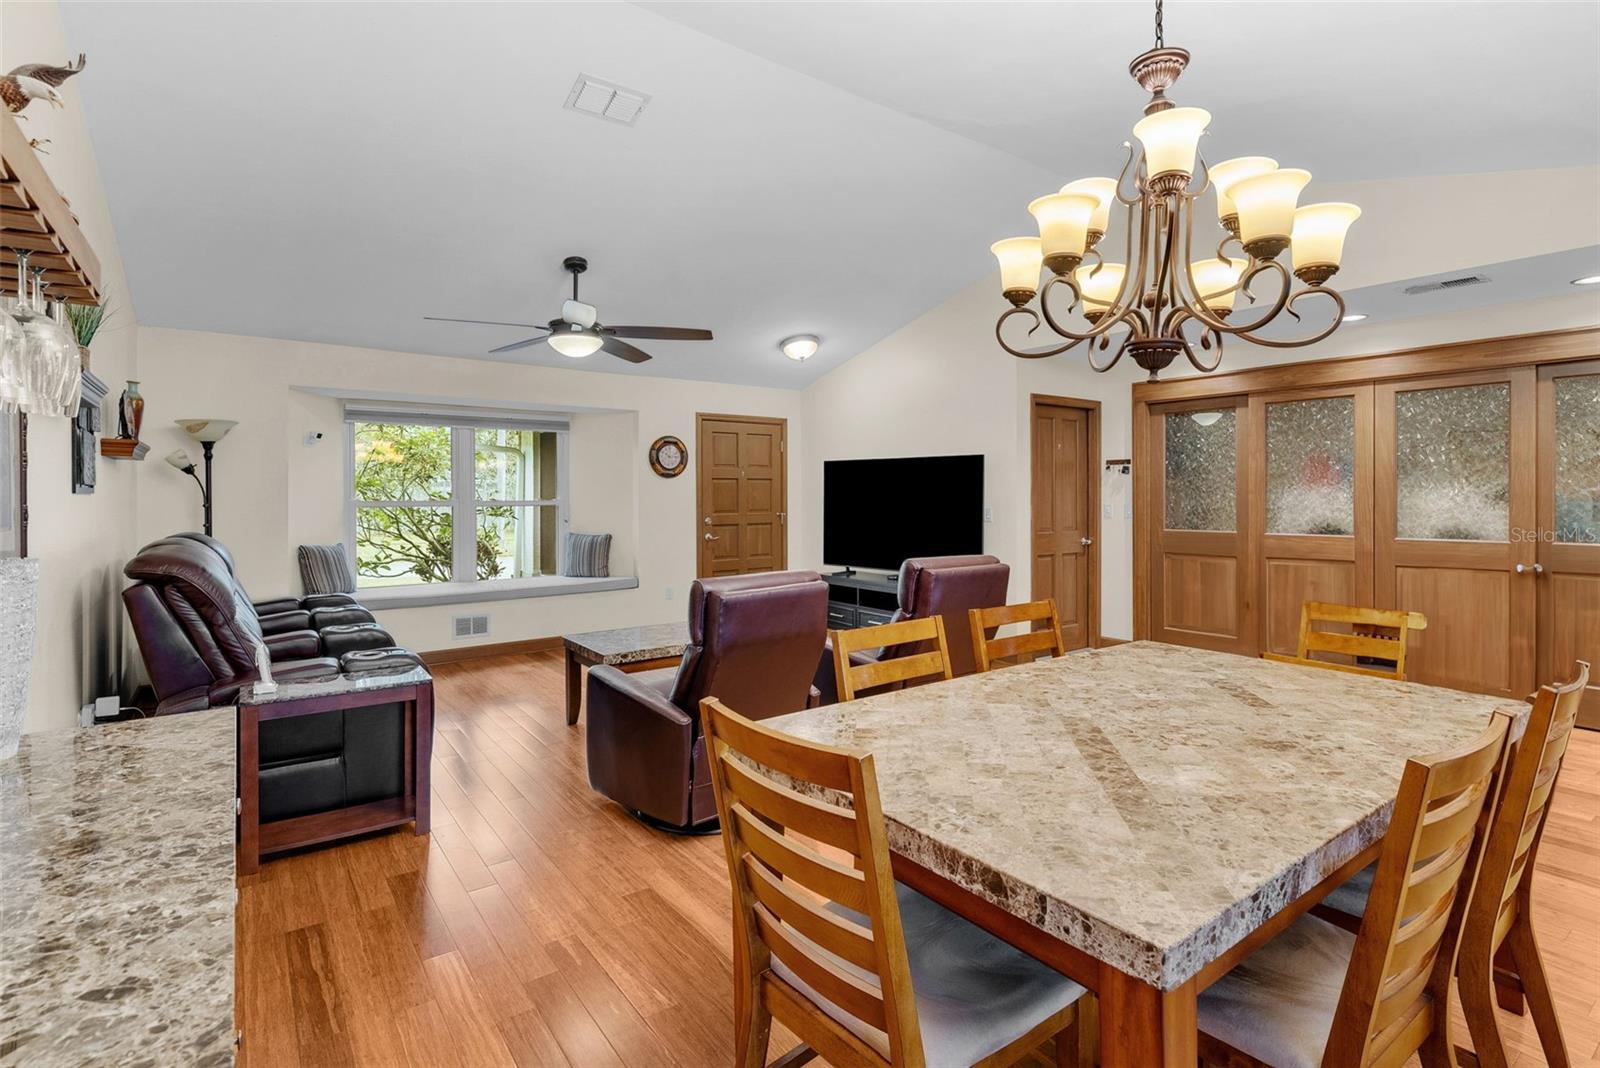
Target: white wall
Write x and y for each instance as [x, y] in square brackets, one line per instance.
[275, 492]
[80, 541]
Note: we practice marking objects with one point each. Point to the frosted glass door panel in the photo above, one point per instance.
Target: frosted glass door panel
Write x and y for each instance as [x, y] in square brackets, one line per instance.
[1201, 454]
[1453, 463]
[1578, 459]
[1311, 480]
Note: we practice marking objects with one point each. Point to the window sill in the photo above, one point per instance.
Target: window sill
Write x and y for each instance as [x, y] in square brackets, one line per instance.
[380, 598]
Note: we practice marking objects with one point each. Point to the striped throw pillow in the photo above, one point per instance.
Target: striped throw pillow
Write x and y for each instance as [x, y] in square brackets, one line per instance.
[588, 556]
[325, 569]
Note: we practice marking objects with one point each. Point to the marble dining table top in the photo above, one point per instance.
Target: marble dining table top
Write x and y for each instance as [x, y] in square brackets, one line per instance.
[1148, 804]
[117, 895]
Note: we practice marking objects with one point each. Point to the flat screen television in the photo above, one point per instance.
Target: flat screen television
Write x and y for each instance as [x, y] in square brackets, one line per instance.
[877, 513]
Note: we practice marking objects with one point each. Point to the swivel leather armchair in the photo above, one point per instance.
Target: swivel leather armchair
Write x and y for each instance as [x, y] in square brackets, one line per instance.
[934, 586]
[753, 642]
[198, 629]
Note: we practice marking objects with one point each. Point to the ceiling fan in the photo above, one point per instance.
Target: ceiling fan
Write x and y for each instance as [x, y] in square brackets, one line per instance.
[578, 332]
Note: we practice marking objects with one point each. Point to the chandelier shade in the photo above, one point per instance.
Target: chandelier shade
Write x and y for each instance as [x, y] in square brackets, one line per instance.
[1162, 300]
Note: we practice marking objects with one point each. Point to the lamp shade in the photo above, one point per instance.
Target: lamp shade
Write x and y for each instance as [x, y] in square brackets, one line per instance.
[207, 430]
[1104, 189]
[1318, 236]
[1265, 203]
[1229, 171]
[576, 343]
[1214, 281]
[1064, 227]
[1170, 139]
[1020, 262]
[180, 459]
[1099, 285]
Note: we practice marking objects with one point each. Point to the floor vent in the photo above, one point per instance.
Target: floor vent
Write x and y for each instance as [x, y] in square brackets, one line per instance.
[469, 626]
[605, 100]
[1448, 283]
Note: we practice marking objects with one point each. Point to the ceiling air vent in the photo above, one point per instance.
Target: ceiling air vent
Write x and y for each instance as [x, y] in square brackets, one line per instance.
[604, 100]
[1448, 283]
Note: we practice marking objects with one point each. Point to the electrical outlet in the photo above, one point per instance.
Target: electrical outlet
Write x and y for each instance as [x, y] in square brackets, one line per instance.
[988, 514]
[667, 593]
[1108, 511]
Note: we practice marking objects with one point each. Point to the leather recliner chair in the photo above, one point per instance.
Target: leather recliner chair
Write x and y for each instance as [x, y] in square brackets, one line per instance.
[753, 643]
[198, 629]
[934, 586]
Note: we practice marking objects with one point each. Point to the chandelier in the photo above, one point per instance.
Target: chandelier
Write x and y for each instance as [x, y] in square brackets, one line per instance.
[1161, 299]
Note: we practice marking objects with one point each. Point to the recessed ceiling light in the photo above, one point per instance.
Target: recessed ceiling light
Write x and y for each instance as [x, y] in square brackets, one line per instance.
[1353, 317]
[1587, 280]
[800, 347]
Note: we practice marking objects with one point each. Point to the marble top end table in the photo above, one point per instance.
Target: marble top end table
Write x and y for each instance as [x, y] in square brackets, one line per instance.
[629, 649]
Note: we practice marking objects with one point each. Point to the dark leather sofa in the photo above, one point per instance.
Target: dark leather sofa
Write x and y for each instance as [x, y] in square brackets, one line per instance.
[934, 586]
[753, 641]
[198, 629]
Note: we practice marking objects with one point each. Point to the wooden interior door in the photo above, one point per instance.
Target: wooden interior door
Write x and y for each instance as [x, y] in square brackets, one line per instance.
[1310, 504]
[1455, 517]
[742, 489]
[1066, 481]
[1202, 593]
[1567, 572]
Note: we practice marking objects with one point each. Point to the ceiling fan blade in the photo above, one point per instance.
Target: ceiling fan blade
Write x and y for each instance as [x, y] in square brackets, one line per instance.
[618, 347]
[520, 344]
[663, 333]
[485, 322]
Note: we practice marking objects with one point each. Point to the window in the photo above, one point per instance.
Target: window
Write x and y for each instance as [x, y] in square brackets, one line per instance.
[414, 487]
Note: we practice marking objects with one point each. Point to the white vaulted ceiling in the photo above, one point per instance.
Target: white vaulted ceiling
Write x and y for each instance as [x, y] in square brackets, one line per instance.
[333, 172]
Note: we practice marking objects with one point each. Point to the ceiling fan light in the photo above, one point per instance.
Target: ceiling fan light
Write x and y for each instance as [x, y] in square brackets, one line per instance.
[1064, 227]
[1170, 139]
[1266, 205]
[1225, 174]
[576, 342]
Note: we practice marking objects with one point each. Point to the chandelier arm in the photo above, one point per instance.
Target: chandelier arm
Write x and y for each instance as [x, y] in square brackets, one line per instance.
[1243, 329]
[1127, 164]
[1116, 356]
[1107, 321]
[1026, 354]
[1196, 308]
[1206, 336]
[1202, 168]
[1308, 291]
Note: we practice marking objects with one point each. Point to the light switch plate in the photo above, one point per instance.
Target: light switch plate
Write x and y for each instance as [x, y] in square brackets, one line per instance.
[988, 514]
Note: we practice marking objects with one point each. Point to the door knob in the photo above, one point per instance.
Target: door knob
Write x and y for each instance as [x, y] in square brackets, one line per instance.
[708, 521]
[1086, 542]
[711, 537]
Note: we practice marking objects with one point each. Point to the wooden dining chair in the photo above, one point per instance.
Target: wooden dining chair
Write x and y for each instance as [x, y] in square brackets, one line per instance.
[852, 678]
[866, 971]
[1317, 994]
[1028, 644]
[1376, 634]
[1498, 952]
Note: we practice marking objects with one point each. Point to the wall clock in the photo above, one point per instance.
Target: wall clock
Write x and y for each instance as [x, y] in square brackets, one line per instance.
[668, 456]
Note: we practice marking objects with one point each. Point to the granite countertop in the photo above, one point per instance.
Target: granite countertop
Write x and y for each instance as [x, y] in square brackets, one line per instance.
[629, 645]
[332, 687]
[1149, 804]
[117, 895]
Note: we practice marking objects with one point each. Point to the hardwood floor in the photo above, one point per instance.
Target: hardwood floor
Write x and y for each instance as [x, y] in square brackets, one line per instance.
[539, 925]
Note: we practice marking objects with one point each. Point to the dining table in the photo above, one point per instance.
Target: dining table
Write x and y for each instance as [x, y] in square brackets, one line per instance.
[1140, 817]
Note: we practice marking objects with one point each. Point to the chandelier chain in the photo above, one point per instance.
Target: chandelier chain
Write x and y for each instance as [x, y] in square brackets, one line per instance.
[1161, 38]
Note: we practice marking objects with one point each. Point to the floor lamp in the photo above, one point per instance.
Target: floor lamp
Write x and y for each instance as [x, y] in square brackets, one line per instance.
[207, 432]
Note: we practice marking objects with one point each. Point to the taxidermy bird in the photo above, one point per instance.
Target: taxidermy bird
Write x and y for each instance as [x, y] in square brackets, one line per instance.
[35, 81]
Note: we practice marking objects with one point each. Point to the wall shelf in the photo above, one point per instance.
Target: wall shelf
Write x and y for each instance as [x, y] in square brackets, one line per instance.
[35, 216]
[123, 448]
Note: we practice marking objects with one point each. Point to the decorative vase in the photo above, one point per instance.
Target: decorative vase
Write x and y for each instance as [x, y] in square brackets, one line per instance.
[83, 357]
[132, 410]
[19, 587]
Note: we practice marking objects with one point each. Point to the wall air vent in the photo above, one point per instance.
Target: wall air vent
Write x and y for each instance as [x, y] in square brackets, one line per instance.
[469, 626]
[1448, 283]
[605, 100]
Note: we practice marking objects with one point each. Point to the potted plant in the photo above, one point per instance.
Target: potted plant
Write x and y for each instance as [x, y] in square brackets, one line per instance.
[86, 321]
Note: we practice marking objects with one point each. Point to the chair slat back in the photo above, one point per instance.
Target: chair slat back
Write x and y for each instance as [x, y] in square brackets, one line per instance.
[1519, 820]
[1374, 633]
[852, 679]
[1030, 644]
[783, 881]
[1396, 993]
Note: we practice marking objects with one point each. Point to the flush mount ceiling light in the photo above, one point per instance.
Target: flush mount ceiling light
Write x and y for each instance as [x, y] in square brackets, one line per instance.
[1587, 280]
[800, 347]
[1353, 317]
[1167, 301]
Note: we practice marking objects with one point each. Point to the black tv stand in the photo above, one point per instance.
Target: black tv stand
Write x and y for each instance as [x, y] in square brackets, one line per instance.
[856, 599]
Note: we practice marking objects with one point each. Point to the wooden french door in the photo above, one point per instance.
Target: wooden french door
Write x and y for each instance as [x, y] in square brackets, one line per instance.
[1065, 510]
[1456, 524]
[742, 490]
[1200, 571]
[1567, 564]
[1310, 504]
